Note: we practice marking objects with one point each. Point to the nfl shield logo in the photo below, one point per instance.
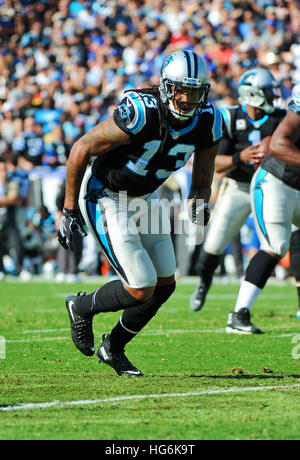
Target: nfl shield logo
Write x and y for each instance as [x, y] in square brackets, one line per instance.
[240, 124]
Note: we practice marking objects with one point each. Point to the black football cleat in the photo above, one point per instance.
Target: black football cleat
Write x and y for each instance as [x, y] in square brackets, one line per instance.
[198, 297]
[239, 323]
[117, 361]
[81, 328]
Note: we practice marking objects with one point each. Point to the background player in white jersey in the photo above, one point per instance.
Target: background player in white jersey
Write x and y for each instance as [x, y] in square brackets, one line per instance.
[152, 133]
[275, 195]
[241, 150]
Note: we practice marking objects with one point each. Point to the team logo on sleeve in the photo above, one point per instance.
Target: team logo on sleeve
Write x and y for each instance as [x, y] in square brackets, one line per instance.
[124, 111]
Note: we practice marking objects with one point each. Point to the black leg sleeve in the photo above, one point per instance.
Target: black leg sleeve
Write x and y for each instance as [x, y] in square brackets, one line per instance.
[110, 297]
[134, 319]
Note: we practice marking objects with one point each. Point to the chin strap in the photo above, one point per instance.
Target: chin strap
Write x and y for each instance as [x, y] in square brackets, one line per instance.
[179, 116]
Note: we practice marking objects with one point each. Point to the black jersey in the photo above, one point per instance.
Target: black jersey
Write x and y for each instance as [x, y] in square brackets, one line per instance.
[241, 132]
[289, 174]
[142, 166]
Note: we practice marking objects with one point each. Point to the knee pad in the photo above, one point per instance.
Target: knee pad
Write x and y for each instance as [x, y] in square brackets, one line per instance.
[135, 318]
[295, 254]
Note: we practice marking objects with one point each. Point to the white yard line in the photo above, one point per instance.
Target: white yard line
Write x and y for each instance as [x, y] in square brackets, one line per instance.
[150, 332]
[44, 331]
[85, 402]
[44, 339]
[179, 295]
[64, 295]
[182, 331]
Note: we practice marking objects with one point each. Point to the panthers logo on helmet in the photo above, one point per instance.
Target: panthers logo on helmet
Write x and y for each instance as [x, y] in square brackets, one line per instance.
[258, 88]
[166, 62]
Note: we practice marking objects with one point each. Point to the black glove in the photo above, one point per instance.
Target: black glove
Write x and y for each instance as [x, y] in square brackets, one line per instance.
[200, 212]
[71, 222]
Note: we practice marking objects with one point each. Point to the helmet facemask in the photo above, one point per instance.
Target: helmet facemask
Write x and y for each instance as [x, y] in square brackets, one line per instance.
[184, 84]
[183, 100]
[266, 99]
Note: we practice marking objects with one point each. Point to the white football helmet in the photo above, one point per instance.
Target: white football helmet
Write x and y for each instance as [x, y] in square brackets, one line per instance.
[184, 71]
[294, 103]
[258, 88]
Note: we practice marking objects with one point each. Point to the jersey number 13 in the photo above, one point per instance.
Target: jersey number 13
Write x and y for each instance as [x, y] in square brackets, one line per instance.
[140, 167]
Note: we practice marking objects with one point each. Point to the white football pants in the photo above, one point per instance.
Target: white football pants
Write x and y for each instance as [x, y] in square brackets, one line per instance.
[230, 213]
[275, 206]
[133, 233]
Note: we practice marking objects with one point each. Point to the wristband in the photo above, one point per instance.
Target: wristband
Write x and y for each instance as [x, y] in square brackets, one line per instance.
[236, 159]
[70, 212]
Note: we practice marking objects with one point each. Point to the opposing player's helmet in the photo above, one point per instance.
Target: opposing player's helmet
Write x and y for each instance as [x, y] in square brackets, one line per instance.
[184, 72]
[294, 103]
[258, 88]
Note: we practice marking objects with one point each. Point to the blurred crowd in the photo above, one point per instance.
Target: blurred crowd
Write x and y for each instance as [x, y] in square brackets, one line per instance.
[64, 66]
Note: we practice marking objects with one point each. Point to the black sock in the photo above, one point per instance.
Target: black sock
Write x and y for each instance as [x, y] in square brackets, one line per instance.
[110, 297]
[134, 319]
[208, 263]
[260, 269]
[119, 337]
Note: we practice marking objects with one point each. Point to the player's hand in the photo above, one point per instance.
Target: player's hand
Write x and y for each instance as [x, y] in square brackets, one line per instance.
[71, 223]
[252, 154]
[199, 212]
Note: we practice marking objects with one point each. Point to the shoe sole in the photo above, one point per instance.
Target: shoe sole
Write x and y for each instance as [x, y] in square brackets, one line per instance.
[90, 351]
[132, 374]
[231, 330]
[193, 308]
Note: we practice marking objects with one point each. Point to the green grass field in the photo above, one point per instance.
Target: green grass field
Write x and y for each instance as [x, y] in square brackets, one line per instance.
[200, 383]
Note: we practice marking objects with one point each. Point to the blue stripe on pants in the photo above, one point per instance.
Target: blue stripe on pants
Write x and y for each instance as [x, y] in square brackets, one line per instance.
[259, 200]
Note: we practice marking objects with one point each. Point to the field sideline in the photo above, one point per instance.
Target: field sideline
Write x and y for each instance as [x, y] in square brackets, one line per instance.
[200, 383]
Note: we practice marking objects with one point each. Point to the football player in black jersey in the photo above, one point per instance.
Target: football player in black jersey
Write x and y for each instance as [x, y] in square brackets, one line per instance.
[152, 133]
[275, 194]
[245, 126]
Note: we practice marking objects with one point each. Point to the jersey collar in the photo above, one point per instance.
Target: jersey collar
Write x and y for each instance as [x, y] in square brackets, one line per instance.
[176, 133]
[255, 123]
